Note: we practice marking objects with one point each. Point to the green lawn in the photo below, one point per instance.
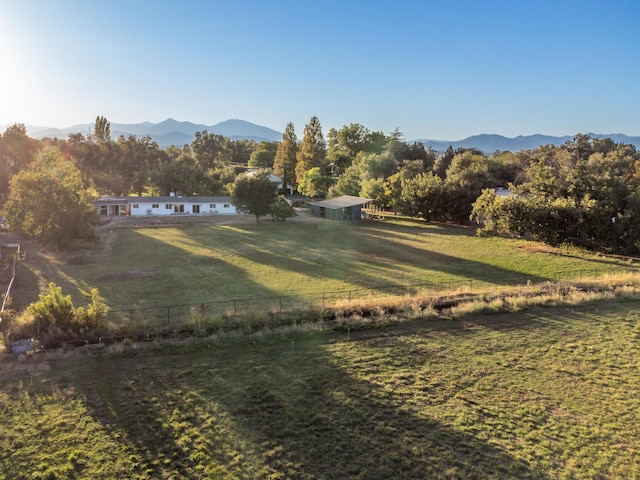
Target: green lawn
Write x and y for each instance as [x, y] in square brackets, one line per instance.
[546, 393]
[289, 261]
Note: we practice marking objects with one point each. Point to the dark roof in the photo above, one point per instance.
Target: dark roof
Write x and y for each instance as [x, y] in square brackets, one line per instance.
[111, 201]
[343, 202]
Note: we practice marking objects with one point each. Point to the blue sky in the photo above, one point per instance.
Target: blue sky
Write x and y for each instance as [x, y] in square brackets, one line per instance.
[433, 69]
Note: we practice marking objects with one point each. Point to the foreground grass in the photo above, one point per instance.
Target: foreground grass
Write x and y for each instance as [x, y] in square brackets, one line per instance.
[205, 263]
[545, 393]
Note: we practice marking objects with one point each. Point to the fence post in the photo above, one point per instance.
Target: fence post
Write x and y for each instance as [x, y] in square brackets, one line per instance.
[168, 315]
[280, 304]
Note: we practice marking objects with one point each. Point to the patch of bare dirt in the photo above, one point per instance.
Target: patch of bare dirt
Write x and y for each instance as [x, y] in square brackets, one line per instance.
[537, 248]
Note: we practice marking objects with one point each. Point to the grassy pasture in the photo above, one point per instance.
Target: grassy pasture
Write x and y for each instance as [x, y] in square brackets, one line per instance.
[545, 394]
[191, 264]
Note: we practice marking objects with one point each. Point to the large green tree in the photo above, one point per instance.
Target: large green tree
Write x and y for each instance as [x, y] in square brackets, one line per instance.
[349, 141]
[314, 184]
[181, 175]
[313, 148]
[17, 151]
[211, 150]
[239, 151]
[50, 202]
[254, 194]
[424, 196]
[584, 192]
[286, 156]
[264, 155]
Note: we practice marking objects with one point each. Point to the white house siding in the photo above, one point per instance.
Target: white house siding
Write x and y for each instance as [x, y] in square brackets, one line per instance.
[174, 205]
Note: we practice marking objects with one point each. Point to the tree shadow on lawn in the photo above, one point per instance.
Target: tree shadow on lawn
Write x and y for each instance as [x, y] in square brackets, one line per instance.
[320, 255]
[409, 226]
[181, 277]
[291, 411]
[403, 254]
[443, 229]
[26, 287]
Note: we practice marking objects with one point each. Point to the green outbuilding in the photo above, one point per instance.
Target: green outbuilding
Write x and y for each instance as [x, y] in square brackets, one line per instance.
[345, 207]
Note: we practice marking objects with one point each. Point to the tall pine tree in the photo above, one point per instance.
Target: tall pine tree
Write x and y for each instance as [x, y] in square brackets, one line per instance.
[285, 161]
[102, 129]
[313, 148]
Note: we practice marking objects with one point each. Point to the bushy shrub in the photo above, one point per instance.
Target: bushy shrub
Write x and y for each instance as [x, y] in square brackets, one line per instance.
[54, 315]
[282, 209]
[53, 309]
[94, 315]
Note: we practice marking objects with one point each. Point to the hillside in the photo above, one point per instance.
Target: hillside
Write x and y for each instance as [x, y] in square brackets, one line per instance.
[166, 133]
[490, 143]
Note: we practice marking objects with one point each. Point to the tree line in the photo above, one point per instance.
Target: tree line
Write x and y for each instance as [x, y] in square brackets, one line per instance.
[584, 192]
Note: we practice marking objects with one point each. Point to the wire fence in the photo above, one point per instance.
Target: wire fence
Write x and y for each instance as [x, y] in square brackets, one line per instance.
[7, 294]
[166, 317]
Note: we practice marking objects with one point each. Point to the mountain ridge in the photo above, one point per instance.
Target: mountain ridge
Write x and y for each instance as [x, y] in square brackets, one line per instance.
[174, 132]
[489, 143]
[167, 132]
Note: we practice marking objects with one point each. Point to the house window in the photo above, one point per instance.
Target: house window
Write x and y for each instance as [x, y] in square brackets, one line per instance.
[226, 205]
[135, 205]
[212, 205]
[155, 205]
[196, 209]
[168, 206]
[178, 208]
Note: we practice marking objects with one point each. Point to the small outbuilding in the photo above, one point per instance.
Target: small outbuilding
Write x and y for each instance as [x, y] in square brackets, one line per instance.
[345, 207]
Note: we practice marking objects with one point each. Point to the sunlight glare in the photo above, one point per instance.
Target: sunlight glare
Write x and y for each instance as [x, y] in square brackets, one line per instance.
[18, 81]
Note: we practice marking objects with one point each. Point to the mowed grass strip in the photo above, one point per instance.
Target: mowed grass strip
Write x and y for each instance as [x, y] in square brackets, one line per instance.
[548, 393]
[208, 263]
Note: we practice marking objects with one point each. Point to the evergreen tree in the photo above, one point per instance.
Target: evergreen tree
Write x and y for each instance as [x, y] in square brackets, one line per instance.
[313, 148]
[285, 161]
[102, 129]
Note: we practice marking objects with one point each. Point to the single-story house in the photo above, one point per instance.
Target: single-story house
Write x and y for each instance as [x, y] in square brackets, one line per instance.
[165, 205]
[345, 207]
[276, 180]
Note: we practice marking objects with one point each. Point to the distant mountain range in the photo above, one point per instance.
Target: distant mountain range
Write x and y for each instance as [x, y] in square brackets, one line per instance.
[490, 143]
[173, 132]
[168, 132]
